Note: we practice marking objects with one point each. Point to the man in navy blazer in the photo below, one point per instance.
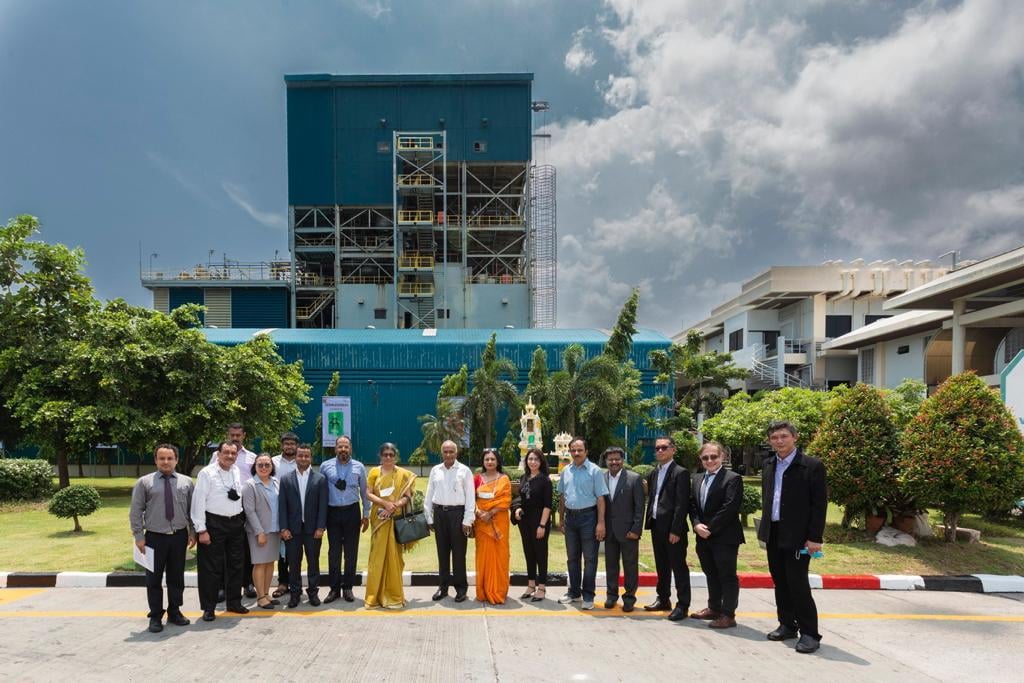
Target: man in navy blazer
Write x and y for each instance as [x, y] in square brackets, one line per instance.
[302, 504]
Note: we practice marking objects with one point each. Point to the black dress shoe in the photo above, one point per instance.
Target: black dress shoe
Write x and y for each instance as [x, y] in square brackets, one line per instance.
[807, 644]
[679, 613]
[331, 597]
[178, 619]
[208, 615]
[347, 594]
[314, 600]
[440, 594]
[782, 633]
[610, 603]
[293, 601]
[155, 626]
[460, 597]
[237, 608]
[268, 605]
[627, 606]
[658, 606]
[250, 591]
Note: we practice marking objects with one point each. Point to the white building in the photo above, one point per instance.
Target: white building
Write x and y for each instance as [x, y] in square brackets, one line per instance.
[779, 324]
[969, 319]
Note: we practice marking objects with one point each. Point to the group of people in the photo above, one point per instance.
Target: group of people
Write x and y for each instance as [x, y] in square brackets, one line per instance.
[248, 511]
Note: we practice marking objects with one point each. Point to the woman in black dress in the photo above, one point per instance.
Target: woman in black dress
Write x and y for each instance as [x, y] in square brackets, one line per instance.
[533, 516]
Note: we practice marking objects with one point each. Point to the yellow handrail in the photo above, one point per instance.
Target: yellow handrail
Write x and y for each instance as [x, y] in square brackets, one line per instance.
[481, 220]
[416, 217]
[416, 179]
[425, 262]
[416, 288]
[415, 142]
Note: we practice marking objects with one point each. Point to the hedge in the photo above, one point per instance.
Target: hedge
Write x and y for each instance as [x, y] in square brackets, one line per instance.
[25, 479]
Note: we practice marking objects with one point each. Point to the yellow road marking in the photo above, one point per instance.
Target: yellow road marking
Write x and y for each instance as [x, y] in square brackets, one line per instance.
[417, 613]
[11, 594]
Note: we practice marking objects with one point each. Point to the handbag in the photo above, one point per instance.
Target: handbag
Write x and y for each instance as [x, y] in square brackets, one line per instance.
[411, 527]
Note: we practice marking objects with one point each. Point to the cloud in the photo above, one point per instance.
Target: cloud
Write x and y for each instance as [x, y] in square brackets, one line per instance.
[739, 132]
[374, 9]
[579, 57]
[238, 195]
[184, 181]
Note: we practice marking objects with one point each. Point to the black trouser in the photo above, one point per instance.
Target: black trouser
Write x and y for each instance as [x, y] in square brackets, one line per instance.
[793, 601]
[221, 562]
[294, 549]
[247, 567]
[169, 557]
[629, 552]
[282, 571]
[451, 546]
[342, 535]
[718, 562]
[670, 562]
[535, 550]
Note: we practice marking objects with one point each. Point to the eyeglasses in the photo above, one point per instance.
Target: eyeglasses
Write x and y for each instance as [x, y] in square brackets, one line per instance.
[387, 454]
[705, 458]
[262, 465]
[577, 450]
[662, 448]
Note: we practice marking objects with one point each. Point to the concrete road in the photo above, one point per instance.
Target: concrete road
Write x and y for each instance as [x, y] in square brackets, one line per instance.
[87, 634]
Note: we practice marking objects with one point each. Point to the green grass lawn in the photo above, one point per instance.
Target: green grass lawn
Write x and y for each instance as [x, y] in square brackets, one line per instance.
[33, 540]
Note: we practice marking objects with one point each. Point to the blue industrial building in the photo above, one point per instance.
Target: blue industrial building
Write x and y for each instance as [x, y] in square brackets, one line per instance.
[413, 203]
[393, 376]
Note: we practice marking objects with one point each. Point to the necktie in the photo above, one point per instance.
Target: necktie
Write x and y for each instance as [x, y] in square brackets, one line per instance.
[704, 490]
[168, 499]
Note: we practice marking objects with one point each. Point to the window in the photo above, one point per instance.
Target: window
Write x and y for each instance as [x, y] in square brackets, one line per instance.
[868, 319]
[771, 339]
[444, 313]
[900, 350]
[380, 313]
[1013, 344]
[383, 147]
[837, 325]
[867, 366]
[736, 340]
[479, 146]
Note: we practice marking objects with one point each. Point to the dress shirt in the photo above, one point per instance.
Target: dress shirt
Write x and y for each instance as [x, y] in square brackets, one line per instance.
[354, 474]
[282, 466]
[271, 493]
[781, 465]
[303, 479]
[662, 471]
[147, 512]
[581, 486]
[450, 486]
[613, 483]
[211, 495]
[243, 462]
[706, 485]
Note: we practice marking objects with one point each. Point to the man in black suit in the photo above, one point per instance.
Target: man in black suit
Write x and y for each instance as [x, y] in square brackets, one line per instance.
[302, 513]
[624, 520]
[715, 512]
[794, 501]
[668, 491]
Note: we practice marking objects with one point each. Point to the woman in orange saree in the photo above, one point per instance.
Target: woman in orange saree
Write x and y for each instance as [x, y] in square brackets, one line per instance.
[491, 529]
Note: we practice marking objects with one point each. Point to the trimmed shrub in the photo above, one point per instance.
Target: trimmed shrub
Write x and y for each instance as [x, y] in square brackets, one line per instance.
[419, 457]
[25, 479]
[963, 452]
[751, 501]
[643, 470]
[687, 448]
[77, 500]
[509, 450]
[857, 443]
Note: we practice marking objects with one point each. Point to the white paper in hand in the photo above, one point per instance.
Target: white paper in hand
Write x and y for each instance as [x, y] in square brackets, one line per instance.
[145, 559]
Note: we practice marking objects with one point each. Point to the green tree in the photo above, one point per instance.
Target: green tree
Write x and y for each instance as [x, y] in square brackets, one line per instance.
[74, 502]
[620, 341]
[509, 450]
[963, 452]
[561, 403]
[743, 420]
[905, 400]
[857, 442]
[492, 391]
[446, 425]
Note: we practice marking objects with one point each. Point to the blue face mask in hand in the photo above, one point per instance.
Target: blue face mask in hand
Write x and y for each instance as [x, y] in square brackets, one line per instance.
[817, 554]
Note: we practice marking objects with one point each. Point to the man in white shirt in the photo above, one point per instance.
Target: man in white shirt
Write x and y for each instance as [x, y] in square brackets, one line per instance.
[236, 434]
[283, 464]
[220, 527]
[450, 506]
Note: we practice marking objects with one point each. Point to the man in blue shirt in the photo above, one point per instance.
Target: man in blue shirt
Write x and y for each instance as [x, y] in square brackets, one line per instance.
[346, 486]
[581, 518]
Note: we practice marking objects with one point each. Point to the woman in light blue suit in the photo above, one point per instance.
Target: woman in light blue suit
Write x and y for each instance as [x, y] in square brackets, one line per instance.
[259, 500]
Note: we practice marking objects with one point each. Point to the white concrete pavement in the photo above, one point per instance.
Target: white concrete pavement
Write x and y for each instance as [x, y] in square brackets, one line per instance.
[100, 634]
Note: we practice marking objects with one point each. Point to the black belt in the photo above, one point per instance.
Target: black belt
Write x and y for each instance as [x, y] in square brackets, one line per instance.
[213, 514]
[343, 507]
[580, 510]
[166, 533]
[449, 508]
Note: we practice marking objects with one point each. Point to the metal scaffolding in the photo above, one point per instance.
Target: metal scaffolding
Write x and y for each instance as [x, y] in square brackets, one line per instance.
[543, 246]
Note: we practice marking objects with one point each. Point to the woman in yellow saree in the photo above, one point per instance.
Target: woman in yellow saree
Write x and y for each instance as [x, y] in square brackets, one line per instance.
[390, 488]
[493, 500]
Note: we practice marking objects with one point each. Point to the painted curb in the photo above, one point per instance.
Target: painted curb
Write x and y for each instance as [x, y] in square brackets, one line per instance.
[970, 583]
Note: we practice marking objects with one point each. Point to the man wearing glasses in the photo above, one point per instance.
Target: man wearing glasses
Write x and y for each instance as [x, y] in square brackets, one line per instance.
[450, 508]
[793, 497]
[715, 512]
[668, 502]
[581, 518]
[346, 487]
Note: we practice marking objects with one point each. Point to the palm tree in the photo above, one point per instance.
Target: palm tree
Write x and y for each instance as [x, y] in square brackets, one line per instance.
[446, 425]
[491, 391]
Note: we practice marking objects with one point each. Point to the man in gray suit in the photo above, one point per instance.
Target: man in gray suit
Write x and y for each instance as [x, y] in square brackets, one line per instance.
[624, 519]
[302, 516]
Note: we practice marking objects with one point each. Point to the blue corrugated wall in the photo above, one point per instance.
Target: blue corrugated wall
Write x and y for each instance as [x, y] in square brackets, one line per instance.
[179, 296]
[259, 307]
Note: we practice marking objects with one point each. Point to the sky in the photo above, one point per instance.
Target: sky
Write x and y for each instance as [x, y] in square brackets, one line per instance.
[697, 143]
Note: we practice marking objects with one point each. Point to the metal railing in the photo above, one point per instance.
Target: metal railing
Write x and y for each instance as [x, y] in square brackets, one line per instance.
[480, 221]
[366, 280]
[416, 143]
[416, 180]
[307, 311]
[484, 279]
[279, 271]
[415, 262]
[415, 289]
[406, 217]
